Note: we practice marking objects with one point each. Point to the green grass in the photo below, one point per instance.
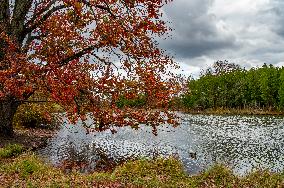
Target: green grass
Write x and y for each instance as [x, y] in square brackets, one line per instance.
[11, 150]
[28, 170]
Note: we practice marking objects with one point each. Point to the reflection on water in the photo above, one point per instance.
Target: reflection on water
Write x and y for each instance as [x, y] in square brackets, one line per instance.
[242, 142]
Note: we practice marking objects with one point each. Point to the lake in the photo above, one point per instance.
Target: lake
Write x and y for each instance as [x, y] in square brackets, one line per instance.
[244, 143]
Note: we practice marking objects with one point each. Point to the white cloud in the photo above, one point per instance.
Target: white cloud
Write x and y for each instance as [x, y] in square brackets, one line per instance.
[226, 8]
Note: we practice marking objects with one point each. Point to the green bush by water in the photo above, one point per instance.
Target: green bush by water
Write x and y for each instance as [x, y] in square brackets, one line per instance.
[36, 116]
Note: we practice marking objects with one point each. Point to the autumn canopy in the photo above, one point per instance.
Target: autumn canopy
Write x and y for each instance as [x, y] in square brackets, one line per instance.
[85, 55]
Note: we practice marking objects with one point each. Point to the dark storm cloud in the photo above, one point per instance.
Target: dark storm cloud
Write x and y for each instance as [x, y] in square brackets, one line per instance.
[195, 29]
[276, 14]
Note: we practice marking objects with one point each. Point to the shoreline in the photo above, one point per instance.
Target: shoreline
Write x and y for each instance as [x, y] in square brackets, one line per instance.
[29, 138]
[226, 111]
[36, 138]
[29, 170]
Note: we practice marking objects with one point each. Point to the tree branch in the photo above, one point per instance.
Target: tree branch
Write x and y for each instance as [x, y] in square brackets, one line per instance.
[108, 63]
[29, 29]
[54, 9]
[37, 14]
[30, 38]
[107, 8]
[35, 101]
[77, 55]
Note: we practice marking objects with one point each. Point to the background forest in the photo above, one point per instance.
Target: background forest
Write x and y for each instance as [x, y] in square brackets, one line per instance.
[227, 85]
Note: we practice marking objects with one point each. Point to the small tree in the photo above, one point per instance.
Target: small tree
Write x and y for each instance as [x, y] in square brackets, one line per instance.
[79, 52]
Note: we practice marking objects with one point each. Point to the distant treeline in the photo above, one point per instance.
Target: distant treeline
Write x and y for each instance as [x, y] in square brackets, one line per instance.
[227, 85]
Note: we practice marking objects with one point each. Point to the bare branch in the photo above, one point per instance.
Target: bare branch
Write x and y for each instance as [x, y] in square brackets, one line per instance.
[104, 61]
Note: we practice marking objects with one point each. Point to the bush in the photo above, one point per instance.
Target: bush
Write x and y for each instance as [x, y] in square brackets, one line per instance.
[264, 179]
[27, 167]
[29, 170]
[36, 116]
[11, 150]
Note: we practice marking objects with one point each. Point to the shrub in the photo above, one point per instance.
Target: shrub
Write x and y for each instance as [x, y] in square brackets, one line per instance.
[28, 170]
[27, 167]
[264, 179]
[24, 165]
[36, 116]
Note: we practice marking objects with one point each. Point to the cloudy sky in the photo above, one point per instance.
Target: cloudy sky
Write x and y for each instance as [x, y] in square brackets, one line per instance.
[247, 32]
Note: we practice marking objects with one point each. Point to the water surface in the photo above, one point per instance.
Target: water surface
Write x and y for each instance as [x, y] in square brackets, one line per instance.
[244, 143]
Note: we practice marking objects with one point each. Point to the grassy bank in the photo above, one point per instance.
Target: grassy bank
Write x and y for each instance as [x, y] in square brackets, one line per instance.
[19, 169]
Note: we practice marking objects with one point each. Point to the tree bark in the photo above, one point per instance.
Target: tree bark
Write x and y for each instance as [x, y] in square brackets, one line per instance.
[8, 109]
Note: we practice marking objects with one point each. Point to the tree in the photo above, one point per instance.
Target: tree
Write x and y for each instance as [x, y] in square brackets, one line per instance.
[85, 54]
[220, 67]
[281, 89]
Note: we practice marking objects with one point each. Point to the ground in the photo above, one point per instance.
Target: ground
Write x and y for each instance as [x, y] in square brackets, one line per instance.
[29, 138]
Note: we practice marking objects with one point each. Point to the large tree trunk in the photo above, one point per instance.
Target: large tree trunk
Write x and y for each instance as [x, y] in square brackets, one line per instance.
[8, 109]
[13, 24]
